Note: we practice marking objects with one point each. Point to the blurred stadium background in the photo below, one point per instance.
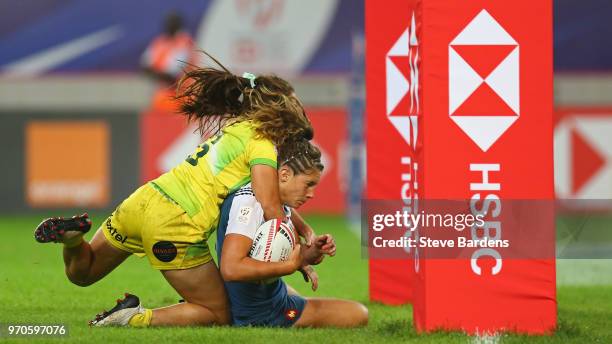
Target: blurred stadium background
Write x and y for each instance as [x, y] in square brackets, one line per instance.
[79, 132]
[71, 89]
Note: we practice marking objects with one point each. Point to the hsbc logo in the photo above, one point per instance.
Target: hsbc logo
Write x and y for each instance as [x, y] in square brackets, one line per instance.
[483, 78]
[402, 81]
[402, 109]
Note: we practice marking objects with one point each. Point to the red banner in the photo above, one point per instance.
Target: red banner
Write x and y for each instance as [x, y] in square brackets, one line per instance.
[488, 135]
[393, 107]
[330, 128]
[167, 140]
[484, 136]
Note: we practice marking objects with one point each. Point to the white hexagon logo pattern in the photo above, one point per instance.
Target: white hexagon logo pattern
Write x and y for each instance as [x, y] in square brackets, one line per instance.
[402, 77]
[483, 68]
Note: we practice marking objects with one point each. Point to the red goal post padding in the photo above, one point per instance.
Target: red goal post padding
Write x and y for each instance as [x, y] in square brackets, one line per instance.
[460, 95]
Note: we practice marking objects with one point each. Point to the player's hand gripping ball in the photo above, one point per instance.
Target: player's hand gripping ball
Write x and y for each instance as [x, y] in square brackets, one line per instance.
[273, 242]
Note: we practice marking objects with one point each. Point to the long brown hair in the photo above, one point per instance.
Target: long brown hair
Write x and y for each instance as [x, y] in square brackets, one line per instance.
[216, 97]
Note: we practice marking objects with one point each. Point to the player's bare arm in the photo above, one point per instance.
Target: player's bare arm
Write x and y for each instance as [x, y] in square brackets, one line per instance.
[264, 180]
[236, 265]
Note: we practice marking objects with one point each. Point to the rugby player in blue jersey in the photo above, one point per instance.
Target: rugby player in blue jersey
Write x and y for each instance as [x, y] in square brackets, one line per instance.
[257, 303]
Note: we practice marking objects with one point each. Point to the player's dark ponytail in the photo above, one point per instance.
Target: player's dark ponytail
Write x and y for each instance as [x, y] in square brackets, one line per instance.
[211, 97]
[306, 134]
[211, 92]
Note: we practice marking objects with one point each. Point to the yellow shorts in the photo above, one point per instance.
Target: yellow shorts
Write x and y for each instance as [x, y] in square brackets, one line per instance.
[149, 223]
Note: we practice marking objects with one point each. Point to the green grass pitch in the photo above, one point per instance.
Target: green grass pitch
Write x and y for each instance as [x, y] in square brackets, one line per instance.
[34, 289]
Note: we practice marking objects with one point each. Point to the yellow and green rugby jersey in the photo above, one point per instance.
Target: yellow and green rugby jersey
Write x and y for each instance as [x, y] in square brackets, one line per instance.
[218, 167]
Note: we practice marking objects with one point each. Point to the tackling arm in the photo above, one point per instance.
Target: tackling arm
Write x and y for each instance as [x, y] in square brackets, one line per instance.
[264, 181]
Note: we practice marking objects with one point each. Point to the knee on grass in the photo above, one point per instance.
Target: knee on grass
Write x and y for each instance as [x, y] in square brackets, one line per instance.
[361, 315]
[336, 313]
[356, 315]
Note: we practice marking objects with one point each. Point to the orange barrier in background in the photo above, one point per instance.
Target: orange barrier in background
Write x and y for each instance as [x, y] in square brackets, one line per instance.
[67, 163]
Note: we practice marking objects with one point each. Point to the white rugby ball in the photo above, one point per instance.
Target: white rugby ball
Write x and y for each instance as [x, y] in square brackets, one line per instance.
[272, 245]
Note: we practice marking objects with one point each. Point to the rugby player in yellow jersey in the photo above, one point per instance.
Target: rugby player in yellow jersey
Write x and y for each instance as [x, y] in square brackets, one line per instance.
[169, 219]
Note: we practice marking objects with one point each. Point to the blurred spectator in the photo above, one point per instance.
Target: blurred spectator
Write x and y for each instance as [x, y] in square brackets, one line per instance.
[164, 60]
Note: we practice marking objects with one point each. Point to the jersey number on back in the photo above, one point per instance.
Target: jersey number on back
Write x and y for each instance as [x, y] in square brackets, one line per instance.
[202, 150]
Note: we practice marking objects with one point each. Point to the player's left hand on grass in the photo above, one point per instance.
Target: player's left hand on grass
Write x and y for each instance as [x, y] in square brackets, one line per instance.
[309, 274]
[326, 244]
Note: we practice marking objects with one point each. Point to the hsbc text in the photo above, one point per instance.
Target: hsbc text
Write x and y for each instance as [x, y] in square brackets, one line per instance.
[485, 201]
[410, 199]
